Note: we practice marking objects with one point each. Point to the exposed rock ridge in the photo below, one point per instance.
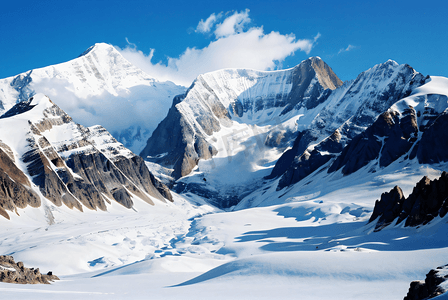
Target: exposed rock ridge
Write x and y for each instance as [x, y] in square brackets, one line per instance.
[430, 287]
[70, 164]
[428, 199]
[15, 188]
[12, 272]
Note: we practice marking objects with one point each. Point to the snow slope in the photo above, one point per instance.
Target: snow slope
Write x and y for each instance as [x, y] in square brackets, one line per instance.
[309, 240]
[312, 246]
[98, 87]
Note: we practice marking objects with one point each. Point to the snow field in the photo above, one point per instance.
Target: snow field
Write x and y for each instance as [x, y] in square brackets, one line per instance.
[312, 246]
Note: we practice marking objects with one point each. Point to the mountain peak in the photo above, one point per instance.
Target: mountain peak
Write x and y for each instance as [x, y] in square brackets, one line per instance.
[327, 78]
[98, 47]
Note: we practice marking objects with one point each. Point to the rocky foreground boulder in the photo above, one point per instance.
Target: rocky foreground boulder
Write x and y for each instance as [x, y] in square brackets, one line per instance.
[430, 287]
[12, 272]
[428, 199]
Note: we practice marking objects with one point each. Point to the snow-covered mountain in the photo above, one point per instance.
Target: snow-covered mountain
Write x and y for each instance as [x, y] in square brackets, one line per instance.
[408, 135]
[48, 160]
[348, 113]
[308, 234]
[239, 121]
[257, 125]
[98, 87]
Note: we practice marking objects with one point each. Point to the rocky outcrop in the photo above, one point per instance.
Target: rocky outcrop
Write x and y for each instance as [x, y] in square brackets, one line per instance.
[428, 199]
[410, 134]
[388, 208]
[12, 272]
[430, 287]
[309, 162]
[434, 141]
[15, 188]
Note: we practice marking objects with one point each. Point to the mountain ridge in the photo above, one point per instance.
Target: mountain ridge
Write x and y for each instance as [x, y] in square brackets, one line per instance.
[44, 154]
[96, 85]
[217, 99]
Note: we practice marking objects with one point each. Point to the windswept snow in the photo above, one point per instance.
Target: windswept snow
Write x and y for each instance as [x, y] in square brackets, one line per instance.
[308, 241]
[314, 242]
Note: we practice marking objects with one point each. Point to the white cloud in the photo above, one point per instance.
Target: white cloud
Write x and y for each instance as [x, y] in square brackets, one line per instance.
[206, 26]
[234, 47]
[233, 24]
[349, 47]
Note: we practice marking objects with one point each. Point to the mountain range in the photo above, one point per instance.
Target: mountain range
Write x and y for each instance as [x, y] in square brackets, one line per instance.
[299, 143]
[98, 87]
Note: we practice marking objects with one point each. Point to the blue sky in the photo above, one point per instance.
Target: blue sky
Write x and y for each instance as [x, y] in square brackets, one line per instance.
[351, 36]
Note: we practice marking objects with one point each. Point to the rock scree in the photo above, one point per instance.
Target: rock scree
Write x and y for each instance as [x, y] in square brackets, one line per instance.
[12, 272]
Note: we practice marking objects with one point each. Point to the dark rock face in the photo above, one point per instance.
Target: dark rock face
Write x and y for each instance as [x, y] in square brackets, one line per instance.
[389, 136]
[307, 163]
[176, 136]
[430, 287]
[19, 108]
[15, 190]
[434, 142]
[387, 208]
[285, 161]
[427, 201]
[12, 272]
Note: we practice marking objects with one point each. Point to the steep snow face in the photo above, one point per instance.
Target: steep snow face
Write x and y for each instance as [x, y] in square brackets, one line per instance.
[99, 87]
[48, 159]
[237, 121]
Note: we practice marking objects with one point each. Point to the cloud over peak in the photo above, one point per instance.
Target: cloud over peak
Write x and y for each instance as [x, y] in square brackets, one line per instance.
[233, 24]
[206, 26]
[236, 45]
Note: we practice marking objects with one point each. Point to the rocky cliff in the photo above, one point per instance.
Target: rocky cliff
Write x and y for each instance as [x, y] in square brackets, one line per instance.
[427, 201]
[45, 154]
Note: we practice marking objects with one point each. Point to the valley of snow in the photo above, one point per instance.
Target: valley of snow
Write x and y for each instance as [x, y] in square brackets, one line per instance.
[315, 245]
